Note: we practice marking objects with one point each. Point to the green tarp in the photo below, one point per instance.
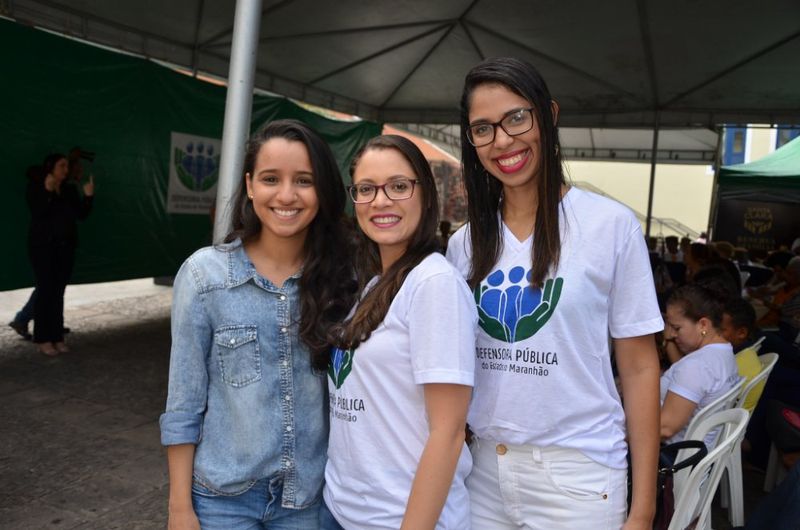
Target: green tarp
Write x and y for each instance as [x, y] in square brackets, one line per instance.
[57, 93]
[759, 202]
[779, 168]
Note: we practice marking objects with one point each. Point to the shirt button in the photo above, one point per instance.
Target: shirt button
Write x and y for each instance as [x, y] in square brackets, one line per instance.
[233, 341]
[285, 363]
[288, 397]
[289, 428]
[501, 449]
[283, 330]
[283, 297]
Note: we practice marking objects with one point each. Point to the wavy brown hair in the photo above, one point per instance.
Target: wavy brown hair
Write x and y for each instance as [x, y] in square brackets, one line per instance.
[484, 192]
[375, 304]
[327, 286]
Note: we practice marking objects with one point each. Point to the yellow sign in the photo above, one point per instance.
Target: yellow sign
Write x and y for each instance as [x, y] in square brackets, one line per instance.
[758, 220]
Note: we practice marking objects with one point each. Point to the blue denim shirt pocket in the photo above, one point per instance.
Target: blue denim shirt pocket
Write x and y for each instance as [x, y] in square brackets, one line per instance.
[236, 350]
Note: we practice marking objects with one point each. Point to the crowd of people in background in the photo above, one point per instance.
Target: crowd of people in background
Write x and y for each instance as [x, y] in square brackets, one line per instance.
[748, 304]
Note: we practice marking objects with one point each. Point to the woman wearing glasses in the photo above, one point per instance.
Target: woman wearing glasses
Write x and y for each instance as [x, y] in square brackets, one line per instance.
[555, 272]
[401, 380]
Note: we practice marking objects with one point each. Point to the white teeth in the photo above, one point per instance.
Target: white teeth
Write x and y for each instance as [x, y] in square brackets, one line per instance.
[285, 213]
[385, 220]
[516, 159]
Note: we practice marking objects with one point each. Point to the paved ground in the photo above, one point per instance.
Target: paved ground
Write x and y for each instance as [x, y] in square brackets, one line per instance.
[79, 441]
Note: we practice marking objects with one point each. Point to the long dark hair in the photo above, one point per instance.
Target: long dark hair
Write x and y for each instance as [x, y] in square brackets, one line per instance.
[327, 286]
[484, 192]
[375, 304]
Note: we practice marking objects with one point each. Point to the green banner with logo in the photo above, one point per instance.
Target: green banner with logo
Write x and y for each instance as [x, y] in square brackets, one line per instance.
[154, 134]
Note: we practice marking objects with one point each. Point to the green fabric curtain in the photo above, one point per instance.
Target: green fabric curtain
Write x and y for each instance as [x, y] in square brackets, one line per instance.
[57, 93]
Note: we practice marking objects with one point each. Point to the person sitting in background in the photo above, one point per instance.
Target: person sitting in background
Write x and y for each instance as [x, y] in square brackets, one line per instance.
[697, 256]
[707, 368]
[738, 326]
[723, 249]
[783, 287]
[672, 254]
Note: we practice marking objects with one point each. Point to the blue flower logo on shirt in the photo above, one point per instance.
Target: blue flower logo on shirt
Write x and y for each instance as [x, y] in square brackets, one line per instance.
[340, 365]
[517, 311]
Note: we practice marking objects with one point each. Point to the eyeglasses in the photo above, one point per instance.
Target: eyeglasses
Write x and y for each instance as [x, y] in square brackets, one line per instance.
[396, 190]
[514, 123]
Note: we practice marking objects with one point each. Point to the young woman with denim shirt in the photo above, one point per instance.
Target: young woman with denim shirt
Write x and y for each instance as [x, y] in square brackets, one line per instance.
[245, 424]
[401, 383]
[558, 274]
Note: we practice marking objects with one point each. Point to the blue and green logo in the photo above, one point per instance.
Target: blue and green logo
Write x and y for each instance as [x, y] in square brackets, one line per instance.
[509, 309]
[197, 166]
[340, 365]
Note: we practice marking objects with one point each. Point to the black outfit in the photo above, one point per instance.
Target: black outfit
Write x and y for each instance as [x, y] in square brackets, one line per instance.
[52, 239]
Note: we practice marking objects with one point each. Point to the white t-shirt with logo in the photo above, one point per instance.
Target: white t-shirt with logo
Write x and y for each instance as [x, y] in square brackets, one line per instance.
[701, 377]
[543, 373]
[379, 426]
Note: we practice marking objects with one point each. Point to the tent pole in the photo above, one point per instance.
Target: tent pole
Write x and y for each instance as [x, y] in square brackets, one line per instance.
[653, 156]
[712, 212]
[238, 106]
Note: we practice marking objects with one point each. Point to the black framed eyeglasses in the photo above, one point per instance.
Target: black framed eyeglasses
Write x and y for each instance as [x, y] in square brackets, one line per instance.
[514, 123]
[396, 190]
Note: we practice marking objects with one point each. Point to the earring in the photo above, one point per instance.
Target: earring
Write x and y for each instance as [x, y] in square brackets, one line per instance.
[556, 149]
[703, 333]
[250, 197]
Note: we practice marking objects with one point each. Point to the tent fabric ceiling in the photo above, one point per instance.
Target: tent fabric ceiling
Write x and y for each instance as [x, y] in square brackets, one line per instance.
[617, 63]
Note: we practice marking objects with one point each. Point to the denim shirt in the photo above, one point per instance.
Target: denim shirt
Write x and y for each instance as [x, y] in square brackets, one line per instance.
[241, 384]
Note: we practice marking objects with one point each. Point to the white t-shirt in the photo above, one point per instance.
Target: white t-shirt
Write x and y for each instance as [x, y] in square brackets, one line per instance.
[701, 377]
[543, 373]
[379, 426]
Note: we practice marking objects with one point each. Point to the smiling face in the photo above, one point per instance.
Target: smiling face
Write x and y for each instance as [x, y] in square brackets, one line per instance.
[282, 190]
[389, 223]
[515, 161]
[687, 334]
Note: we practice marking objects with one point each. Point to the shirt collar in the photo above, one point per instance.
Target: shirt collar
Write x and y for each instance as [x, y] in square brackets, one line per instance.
[241, 269]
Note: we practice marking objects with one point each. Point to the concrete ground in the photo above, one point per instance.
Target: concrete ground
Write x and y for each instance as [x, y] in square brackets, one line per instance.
[79, 438]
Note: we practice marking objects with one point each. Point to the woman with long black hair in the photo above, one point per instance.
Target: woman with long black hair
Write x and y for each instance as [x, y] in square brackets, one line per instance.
[555, 272]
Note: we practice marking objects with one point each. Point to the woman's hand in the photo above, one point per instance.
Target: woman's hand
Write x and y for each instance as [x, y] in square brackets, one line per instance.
[50, 183]
[637, 524]
[183, 520]
[88, 187]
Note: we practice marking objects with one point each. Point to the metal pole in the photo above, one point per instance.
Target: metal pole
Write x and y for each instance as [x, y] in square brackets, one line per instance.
[712, 211]
[653, 155]
[238, 105]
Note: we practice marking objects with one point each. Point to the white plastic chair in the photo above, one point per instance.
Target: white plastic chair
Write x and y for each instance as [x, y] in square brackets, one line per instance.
[757, 344]
[731, 494]
[724, 402]
[694, 496]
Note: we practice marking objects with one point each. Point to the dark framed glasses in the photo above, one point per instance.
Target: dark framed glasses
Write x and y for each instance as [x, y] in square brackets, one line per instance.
[514, 123]
[396, 190]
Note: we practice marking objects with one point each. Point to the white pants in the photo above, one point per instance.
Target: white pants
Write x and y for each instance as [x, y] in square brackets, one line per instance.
[543, 488]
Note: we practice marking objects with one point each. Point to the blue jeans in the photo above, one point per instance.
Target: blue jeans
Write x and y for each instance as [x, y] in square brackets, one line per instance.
[25, 314]
[257, 508]
[326, 519]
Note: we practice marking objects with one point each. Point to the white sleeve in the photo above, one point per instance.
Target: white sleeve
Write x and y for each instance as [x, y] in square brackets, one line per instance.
[442, 324]
[458, 253]
[633, 307]
[690, 381]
